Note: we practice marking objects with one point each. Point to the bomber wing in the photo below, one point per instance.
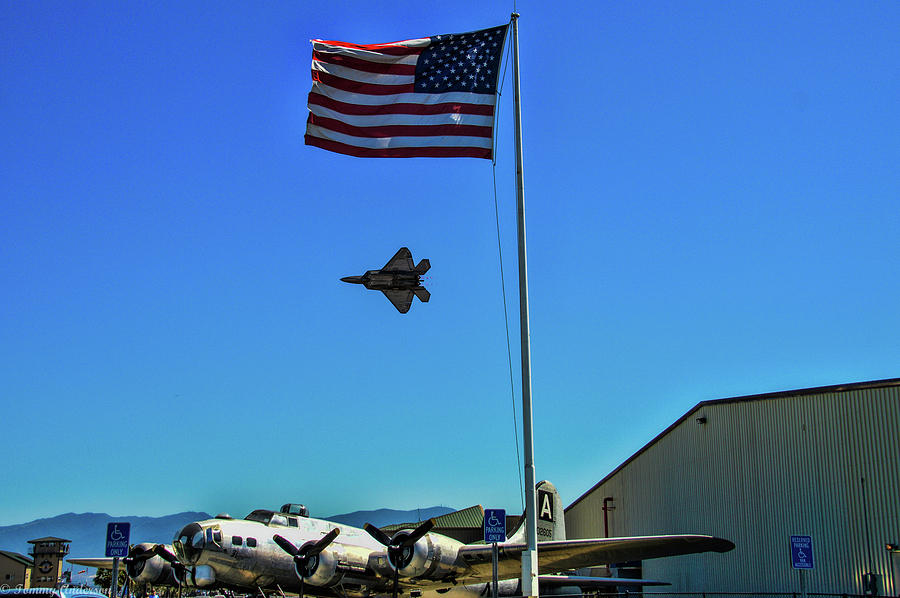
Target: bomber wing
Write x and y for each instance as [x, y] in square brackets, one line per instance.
[402, 260]
[99, 562]
[588, 583]
[563, 555]
[401, 299]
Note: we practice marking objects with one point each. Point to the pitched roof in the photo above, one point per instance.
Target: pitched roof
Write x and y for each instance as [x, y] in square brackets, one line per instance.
[471, 517]
[21, 558]
[888, 383]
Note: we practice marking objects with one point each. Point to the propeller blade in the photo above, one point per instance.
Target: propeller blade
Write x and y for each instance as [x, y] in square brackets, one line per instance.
[418, 533]
[323, 542]
[286, 545]
[379, 535]
[140, 553]
[162, 551]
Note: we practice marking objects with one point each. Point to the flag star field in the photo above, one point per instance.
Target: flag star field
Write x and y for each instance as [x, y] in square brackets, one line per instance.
[462, 62]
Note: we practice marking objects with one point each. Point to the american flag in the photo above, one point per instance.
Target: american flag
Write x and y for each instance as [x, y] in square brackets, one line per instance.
[427, 97]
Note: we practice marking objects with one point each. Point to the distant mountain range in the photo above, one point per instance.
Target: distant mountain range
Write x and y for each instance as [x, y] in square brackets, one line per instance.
[383, 517]
[87, 531]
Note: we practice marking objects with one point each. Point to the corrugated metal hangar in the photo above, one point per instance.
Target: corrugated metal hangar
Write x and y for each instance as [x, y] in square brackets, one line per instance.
[757, 470]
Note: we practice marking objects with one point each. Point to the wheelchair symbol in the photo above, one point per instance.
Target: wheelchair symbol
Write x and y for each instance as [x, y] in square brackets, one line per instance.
[116, 535]
[493, 521]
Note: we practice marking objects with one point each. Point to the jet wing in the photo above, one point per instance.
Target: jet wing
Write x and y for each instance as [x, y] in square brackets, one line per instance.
[99, 562]
[401, 299]
[563, 555]
[402, 260]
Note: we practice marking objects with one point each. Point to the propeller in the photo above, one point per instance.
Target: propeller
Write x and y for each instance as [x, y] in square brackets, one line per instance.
[137, 556]
[180, 570]
[399, 546]
[306, 557]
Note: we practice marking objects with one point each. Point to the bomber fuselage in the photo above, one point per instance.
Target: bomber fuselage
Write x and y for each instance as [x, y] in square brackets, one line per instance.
[241, 553]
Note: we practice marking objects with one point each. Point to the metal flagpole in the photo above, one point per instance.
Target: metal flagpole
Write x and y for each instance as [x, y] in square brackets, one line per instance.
[530, 556]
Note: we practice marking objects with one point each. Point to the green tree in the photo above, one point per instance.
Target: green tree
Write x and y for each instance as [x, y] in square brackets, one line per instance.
[104, 577]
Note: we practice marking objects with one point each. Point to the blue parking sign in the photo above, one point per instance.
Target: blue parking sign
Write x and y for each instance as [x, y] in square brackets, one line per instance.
[117, 539]
[802, 552]
[494, 525]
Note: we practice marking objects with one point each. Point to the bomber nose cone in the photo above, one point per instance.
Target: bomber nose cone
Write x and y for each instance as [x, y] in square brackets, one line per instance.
[353, 279]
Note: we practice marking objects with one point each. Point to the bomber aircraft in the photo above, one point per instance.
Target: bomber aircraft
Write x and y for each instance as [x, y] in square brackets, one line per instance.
[143, 564]
[399, 280]
[289, 551]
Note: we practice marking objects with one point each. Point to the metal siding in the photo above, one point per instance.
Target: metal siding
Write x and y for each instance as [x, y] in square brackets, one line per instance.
[756, 473]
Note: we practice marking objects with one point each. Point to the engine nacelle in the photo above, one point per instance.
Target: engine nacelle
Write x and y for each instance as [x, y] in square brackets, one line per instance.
[155, 570]
[432, 556]
[326, 568]
[202, 576]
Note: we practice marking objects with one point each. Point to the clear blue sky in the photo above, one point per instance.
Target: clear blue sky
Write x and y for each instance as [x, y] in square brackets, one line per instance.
[712, 206]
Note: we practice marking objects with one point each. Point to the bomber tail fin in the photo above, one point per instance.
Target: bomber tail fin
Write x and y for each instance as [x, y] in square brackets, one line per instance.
[423, 294]
[423, 267]
[551, 517]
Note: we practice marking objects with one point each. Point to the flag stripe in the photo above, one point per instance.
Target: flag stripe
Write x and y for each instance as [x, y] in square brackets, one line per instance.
[358, 76]
[393, 48]
[378, 132]
[404, 98]
[371, 120]
[382, 142]
[409, 58]
[400, 107]
[385, 68]
[399, 152]
[361, 88]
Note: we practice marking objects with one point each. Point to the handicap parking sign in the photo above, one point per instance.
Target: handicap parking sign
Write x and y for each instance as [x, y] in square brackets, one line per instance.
[494, 525]
[802, 552]
[117, 539]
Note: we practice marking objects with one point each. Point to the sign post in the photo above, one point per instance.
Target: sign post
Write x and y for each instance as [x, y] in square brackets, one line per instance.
[494, 532]
[802, 558]
[116, 547]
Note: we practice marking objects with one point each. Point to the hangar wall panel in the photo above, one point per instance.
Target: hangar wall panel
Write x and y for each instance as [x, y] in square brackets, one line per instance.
[759, 470]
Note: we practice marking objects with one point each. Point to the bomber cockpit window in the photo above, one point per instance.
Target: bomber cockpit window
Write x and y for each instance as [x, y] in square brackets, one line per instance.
[251, 542]
[278, 520]
[189, 542]
[260, 515]
[295, 509]
[213, 538]
[292, 521]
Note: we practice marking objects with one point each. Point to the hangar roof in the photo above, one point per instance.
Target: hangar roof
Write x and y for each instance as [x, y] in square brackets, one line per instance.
[20, 558]
[890, 382]
[470, 517]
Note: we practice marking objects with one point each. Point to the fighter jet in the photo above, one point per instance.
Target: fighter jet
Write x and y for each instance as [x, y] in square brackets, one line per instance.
[399, 280]
[290, 551]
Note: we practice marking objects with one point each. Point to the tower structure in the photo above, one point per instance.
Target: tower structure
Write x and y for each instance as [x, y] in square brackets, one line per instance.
[48, 554]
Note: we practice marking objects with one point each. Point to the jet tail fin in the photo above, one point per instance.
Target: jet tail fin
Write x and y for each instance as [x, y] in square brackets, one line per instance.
[423, 266]
[423, 294]
[551, 517]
